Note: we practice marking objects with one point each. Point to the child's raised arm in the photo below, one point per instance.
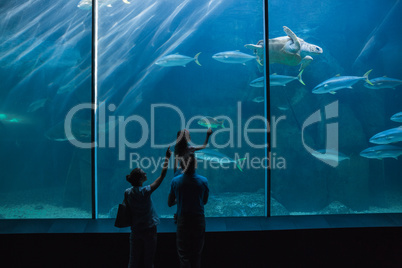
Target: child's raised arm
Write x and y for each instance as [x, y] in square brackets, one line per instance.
[209, 133]
[159, 180]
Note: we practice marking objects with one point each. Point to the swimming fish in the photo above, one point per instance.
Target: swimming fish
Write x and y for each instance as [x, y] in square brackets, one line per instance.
[87, 4]
[282, 80]
[233, 57]
[259, 99]
[330, 155]
[277, 80]
[36, 105]
[338, 82]
[383, 82]
[177, 60]
[10, 118]
[397, 117]
[259, 82]
[382, 151]
[66, 88]
[387, 136]
[283, 108]
[80, 129]
[218, 157]
[210, 122]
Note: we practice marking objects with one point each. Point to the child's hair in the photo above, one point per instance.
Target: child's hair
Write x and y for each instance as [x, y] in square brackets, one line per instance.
[181, 143]
[188, 163]
[135, 176]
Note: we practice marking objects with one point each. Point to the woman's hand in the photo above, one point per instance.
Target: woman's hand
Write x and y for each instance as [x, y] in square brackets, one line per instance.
[168, 153]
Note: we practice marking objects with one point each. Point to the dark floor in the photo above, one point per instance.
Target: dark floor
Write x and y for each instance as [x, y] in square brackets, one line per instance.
[258, 242]
[356, 247]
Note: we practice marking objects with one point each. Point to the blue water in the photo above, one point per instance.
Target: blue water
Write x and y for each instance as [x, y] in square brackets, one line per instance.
[46, 57]
[355, 37]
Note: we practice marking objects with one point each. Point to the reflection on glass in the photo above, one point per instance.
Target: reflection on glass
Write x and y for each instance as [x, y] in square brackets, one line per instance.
[160, 72]
[45, 57]
[337, 127]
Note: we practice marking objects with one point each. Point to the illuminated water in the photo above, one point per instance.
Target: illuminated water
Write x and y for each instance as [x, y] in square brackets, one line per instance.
[45, 72]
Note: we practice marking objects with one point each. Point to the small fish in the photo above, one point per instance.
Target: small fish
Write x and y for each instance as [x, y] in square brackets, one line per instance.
[387, 136]
[259, 99]
[210, 122]
[36, 105]
[177, 60]
[218, 157]
[282, 80]
[79, 129]
[382, 151]
[397, 117]
[259, 82]
[383, 82]
[338, 82]
[330, 155]
[283, 108]
[87, 4]
[10, 118]
[66, 88]
[233, 57]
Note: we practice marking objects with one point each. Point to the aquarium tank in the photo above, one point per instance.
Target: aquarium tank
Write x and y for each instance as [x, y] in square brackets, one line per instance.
[303, 98]
[45, 71]
[342, 90]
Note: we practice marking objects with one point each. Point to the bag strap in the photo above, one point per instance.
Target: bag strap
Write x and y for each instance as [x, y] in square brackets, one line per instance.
[126, 199]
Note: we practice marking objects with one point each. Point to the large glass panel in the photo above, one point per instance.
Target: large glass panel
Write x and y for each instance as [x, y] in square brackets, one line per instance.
[45, 71]
[158, 75]
[334, 165]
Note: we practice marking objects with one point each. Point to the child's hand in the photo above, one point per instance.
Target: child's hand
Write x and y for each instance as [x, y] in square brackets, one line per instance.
[209, 132]
[168, 153]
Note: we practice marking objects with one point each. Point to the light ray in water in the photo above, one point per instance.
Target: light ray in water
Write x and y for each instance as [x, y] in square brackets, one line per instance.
[163, 28]
[111, 46]
[16, 10]
[36, 18]
[37, 41]
[146, 44]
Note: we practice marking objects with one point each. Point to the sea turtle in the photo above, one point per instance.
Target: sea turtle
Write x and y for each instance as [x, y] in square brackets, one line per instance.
[258, 50]
[288, 50]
